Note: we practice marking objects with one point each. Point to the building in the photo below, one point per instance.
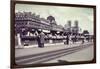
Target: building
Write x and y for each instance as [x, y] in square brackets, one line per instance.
[27, 23]
[75, 28]
[71, 29]
[54, 27]
[68, 26]
[30, 21]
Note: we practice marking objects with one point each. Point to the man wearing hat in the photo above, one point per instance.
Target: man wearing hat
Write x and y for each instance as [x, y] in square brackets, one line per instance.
[41, 38]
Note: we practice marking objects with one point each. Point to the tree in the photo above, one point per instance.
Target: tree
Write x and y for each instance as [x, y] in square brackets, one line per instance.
[50, 18]
[85, 32]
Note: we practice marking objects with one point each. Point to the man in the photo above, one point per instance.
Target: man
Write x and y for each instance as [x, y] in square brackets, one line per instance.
[37, 38]
[42, 39]
[67, 40]
[82, 39]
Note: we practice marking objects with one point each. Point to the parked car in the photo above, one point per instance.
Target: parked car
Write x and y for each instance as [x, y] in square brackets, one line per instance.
[26, 43]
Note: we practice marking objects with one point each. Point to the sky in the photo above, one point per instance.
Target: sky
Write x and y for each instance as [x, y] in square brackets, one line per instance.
[62, 14]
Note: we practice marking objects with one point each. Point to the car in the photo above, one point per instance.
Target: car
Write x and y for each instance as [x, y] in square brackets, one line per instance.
[26, 43]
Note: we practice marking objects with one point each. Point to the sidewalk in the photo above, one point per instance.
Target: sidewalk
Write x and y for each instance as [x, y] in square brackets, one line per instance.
[48, 44]
[48, 47]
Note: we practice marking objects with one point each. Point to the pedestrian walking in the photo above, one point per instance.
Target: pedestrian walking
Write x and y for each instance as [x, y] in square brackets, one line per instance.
[82, 39]
[67, 40]
[37, 38]
[73, 39]
[42, 39]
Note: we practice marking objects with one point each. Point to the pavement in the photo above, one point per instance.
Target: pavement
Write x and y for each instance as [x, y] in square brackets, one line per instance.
[47, 44]
[54, 53]
[19, 52]
[86, 54]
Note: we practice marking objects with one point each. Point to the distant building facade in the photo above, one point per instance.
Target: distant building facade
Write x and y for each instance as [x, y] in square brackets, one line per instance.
[71, 29]
[29, 21]
[75, 28]
[68, 26]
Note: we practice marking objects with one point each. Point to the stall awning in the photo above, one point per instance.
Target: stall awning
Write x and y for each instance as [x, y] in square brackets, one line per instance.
[46, 31]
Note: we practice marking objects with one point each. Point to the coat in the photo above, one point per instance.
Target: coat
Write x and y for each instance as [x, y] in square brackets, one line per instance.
[42, 37]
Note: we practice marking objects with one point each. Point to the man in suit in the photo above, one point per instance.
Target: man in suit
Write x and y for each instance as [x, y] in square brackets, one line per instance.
[37, 38]
[67, 40]
[41, 39]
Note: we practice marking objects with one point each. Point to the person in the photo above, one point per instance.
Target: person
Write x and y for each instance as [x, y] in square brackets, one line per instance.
[73, 39]
[37, 38]
[88, 38]
[67, 40]
[42, 39]
[82, 39]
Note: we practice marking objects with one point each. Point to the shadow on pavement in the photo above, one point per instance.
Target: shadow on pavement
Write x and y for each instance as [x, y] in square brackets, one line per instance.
[62, 61]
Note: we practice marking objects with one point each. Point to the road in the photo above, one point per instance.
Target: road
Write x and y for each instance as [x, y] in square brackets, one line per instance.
[42, 57]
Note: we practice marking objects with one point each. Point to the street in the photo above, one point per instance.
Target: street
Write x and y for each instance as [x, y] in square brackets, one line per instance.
[53, 54]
